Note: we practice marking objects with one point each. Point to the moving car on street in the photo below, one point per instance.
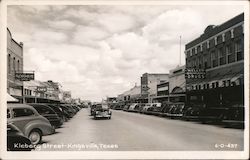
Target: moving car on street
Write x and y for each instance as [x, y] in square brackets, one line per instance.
[102, 111]
[29, 121]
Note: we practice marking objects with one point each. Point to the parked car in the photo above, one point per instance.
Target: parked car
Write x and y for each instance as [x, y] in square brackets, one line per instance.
[141, 106]
[59, 111]
[67, 111]
[191, 112]
[16, 141]
[133, 107]
[126, 107]
[154, 109]
[92, 109]
[176, 110]
[234, 116]
[29, 121]
[48, 113]
[146, 107]
[102, 111]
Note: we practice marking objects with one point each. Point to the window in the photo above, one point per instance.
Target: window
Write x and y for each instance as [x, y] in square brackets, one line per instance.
[201, 47]
[14, 64]
[204, 86]
[238, 50]
[222, 56]
[18, 65]
[242, 28]
[214, 59]
[208, 44]
[44, 110]
[229, 52]
[22, 112]
[215, 41]
[232, 33]
[195, 50]
[223, 37]
[9, 66]
[8, 113]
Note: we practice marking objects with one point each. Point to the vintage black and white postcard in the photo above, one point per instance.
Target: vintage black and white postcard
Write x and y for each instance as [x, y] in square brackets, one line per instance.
[124, 79]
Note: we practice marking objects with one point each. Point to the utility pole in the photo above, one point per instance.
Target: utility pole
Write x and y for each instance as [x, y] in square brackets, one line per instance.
[180, 52]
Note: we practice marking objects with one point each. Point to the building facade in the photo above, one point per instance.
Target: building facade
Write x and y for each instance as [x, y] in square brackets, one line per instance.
[174, 89]
[149, 83]
[39, 92]
[14, 64]
[219, 51]
[130, 96]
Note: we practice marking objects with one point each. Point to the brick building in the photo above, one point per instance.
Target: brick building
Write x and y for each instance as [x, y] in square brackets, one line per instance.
[14, 64]
[219, 51]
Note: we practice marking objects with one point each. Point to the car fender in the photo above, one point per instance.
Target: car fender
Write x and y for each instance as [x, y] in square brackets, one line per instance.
[43, 126]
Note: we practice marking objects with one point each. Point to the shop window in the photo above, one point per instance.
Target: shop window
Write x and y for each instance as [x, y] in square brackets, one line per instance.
[238, 51]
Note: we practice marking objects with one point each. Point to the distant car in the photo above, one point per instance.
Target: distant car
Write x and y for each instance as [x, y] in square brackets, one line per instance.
[48, 113]
[92, 109]
[102, 111]
[16, 141]
[29, 121]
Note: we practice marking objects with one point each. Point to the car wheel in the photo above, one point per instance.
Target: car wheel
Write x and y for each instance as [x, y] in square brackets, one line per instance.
[35, 136]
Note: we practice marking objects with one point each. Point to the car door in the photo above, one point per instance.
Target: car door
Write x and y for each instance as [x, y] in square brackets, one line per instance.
[21, 116]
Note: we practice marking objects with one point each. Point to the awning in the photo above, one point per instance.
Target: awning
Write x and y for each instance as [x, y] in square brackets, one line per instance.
[11, 99]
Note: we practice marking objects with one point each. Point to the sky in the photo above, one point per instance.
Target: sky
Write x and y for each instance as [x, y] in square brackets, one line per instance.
[102, 50]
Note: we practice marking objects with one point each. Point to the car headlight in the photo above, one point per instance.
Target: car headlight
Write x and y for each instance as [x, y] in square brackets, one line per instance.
[96, 112]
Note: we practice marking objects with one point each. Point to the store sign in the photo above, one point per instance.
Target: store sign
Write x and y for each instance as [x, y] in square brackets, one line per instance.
[25, 76]
[41, 89]
[195, 73]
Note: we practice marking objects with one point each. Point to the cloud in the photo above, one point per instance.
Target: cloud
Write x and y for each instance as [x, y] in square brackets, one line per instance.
[98, 51]
[116, 23]
[48, 36]
[63, 24]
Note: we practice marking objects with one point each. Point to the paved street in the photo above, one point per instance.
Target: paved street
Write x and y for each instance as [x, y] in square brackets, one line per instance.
[131, 131]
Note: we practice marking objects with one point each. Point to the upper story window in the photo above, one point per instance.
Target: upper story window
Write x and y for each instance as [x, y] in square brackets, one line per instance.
[223, 37]
[208, 44]
[215, 41]
[201, 47]
[18, 65]
[242, 28]
[238, 50]
[9, 66]
[195, 50]
[14, 64]
[232, 33]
